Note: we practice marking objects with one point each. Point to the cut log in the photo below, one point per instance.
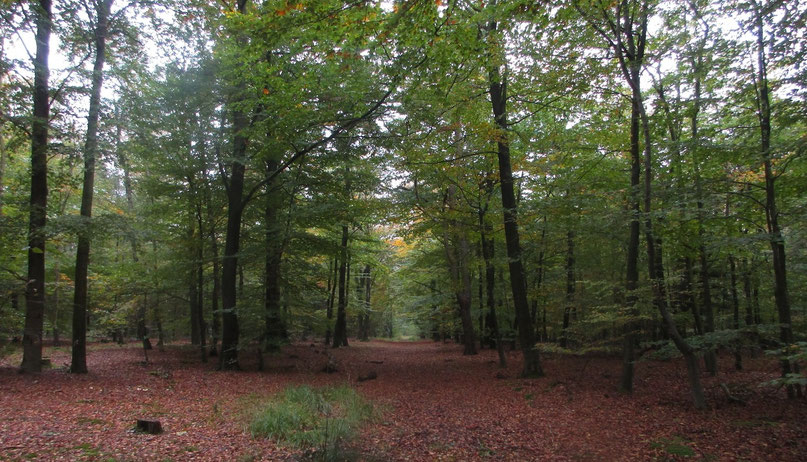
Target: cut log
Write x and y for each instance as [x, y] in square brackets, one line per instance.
[151, 427]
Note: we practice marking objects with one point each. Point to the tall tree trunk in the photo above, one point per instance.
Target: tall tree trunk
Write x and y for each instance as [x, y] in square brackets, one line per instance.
[200, 282]
[458, 252]
[275, 330]
[488, 250]
[193, 291]
[3, 160]
[749, 305]
[214, 296]
[333, 276]
[364, 316]
[654, 249]
[340, 329]
[539, 280]
[735, 303]
[230, 331]
[632, 265]
[55, 304]
[229, 317]
[699, 70]
[142, 330]
[160, 332]
[526, 332]
[709, 356]
[777, 240]
[78, 364]
[464, 293]
[696, 311]
[35, 285]
[570, 286]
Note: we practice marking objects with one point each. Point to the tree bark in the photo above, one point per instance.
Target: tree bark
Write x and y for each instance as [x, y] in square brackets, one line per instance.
[364, 316]
[230, 332]
[488, 250]
[214, 297]
[275, 330]
[193, 290]
[200, 283]
[526, 332]
[777, 240]
[570, 286]
[333, 276]
[632, 264]
[457, 251]
[3, 161]
[35, 285]
[340, 329]
[78, 364]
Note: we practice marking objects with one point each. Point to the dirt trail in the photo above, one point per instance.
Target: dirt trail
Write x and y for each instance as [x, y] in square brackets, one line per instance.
[439, 405]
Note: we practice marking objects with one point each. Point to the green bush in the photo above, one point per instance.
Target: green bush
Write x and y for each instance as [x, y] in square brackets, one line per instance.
[307, 418]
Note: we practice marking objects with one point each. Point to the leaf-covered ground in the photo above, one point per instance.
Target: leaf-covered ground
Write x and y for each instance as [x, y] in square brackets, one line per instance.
[438, 405]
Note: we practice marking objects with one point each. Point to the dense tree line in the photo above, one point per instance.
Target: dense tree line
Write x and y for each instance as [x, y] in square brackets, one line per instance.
[622, 177]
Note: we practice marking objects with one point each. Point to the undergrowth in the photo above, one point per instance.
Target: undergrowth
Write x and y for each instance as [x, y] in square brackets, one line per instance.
[320, 420]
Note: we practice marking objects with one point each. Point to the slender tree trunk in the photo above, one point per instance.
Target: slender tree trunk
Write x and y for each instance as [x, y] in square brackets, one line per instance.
[709, 356]
[777, 241]
[488, 250]
[457, 251]
[160, 332]
[79, 351]
[333, 275]
[539, 280]
[749, 305]
[214, 297]
[570, 286]
[55, 304]
[696, 311]
[200, 281]
[35, 285]
[735, 303]
[193, 294]
[483, 331]
[142, 330]
[526, 332]
[632, 272]
[275, 331]
[230, 330]
[464, 293]
[655, 253]
[3, 159]
[364, 317]
[340, 330]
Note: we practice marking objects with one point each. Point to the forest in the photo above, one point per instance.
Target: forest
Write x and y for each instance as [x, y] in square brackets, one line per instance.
[565, 218]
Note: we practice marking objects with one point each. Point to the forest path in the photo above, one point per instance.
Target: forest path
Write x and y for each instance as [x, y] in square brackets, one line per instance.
[438, 405]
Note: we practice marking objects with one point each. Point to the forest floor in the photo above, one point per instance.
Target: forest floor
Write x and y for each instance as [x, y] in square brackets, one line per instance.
[437, 405]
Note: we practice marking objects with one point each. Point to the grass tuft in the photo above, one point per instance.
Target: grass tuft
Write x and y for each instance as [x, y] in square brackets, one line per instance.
[307, 418]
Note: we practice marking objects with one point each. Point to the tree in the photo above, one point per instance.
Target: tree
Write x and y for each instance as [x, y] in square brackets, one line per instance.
[777, 241]
[626, 34]
[78, 364]
[497, 81]
[35, 285]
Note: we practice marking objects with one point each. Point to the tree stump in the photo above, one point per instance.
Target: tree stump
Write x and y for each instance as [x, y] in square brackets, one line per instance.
[368, 376]
[151, 427]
